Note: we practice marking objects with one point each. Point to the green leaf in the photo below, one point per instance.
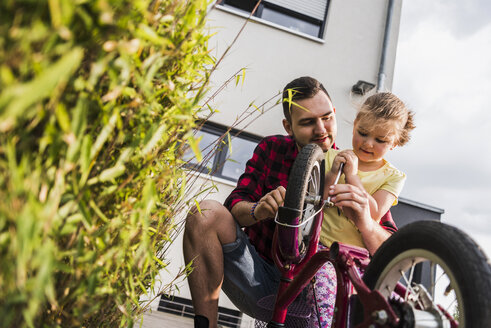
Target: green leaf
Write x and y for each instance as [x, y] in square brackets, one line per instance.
[104, 135]
[197, 206]
[193, 143]
[55, 12]
[147, 33]
[229, 143]
[85, 159]
[62, 118]
[98, 211]
[125, 155]
[108, 174]
[79, 119]
[156, 137]
[149, 196]
[16, 100]
[243, 76]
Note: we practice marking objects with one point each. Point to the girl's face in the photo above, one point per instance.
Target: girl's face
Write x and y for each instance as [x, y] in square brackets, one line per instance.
[371, 142]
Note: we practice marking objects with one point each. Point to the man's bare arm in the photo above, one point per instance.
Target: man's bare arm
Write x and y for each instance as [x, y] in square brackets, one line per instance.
[266, 208]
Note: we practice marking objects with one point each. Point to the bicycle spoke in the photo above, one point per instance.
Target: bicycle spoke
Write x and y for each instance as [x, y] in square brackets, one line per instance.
[309, 183]
[313, 187]
[403, 275]
[408, 281]
[439, 277]
[412, 272]
[314, 180]
[451, 305]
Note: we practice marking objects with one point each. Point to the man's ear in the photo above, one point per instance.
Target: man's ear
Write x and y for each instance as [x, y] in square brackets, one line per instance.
[288, 127]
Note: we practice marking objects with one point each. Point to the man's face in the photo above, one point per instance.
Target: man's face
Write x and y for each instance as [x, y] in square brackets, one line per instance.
[314, 123]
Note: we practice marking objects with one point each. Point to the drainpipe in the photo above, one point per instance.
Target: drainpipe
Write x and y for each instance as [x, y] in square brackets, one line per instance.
[381, 72]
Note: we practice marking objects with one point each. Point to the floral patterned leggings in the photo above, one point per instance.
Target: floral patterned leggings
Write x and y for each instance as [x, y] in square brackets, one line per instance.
[325, 293]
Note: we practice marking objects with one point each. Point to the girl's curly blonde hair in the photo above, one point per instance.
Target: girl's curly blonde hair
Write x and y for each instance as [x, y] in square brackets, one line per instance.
[387, 107]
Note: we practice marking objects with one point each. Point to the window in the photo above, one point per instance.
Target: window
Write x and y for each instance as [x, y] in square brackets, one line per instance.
[307, 16]
[223, 160]
[183, 307]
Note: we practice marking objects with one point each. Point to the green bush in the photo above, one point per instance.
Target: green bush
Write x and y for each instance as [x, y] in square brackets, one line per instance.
[95, 98]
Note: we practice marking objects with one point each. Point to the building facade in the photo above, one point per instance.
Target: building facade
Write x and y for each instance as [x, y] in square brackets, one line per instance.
[350, 46]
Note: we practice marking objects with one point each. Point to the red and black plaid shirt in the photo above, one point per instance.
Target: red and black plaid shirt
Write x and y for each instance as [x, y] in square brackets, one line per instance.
[268, 169]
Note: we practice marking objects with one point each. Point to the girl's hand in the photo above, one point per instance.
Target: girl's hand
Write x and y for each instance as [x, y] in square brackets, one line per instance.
[351, 162]
[336, 164]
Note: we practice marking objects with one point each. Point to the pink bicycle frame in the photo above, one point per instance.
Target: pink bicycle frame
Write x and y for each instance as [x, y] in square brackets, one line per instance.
[349, 262]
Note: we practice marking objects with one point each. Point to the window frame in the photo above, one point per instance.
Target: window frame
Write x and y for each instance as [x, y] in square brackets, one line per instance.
[248, 5]
[222, 153]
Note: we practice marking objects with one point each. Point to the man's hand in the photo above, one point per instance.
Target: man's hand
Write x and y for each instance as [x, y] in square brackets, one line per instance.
[354, 202]
[269, 203]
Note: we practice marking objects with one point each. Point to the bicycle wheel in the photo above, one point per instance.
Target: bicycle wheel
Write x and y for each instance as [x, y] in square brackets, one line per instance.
[459, 286]
[303, 199]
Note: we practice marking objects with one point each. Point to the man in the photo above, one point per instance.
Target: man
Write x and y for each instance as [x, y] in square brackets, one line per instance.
[239, 261]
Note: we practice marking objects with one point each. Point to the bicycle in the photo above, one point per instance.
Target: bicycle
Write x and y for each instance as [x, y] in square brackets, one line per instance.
[387, 293]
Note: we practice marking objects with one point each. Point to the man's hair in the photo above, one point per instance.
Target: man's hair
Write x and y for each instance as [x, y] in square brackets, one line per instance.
[385, 107]
[301, 88]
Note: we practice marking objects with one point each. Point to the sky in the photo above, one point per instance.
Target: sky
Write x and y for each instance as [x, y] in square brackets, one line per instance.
[443, 73]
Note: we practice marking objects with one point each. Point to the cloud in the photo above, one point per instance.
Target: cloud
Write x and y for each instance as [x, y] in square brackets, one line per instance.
[460, 18]
[437, 68]
[443, 73]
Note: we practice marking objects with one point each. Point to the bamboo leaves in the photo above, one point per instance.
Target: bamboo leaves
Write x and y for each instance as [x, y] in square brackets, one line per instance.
[17, 100]
[95, 98]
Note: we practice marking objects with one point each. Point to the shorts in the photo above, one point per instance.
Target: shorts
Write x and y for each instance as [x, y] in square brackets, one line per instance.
[248, 277]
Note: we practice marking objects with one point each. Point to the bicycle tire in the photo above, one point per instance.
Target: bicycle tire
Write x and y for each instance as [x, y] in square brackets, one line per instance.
[461, 259]
[306, 178]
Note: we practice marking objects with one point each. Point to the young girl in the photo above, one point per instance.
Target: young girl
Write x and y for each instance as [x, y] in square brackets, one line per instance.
[382, 123]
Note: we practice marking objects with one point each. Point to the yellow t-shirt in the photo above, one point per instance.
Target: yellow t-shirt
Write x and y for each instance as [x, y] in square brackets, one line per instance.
[336, 226]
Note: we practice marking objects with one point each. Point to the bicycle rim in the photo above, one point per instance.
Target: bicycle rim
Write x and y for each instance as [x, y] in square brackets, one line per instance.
[444, 291]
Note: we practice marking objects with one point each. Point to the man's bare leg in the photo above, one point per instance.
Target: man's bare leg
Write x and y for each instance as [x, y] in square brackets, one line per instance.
[204, 235]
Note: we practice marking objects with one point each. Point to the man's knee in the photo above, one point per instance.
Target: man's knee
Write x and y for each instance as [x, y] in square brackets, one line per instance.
[205, 215]
[211, 216]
